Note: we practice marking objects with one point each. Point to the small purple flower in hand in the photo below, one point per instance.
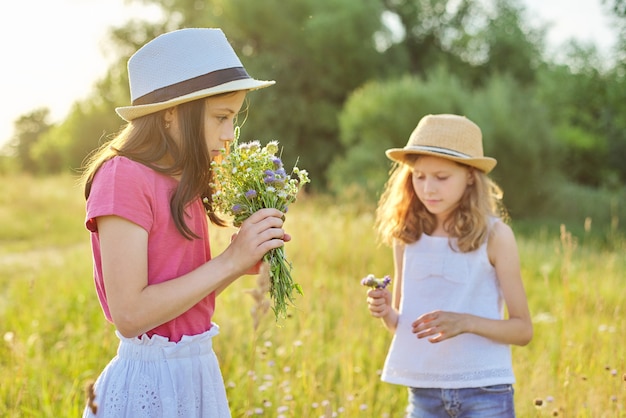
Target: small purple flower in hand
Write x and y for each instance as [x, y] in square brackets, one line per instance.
[374, 283]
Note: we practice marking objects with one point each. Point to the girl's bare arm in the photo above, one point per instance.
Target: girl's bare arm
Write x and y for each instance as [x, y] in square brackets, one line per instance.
[137, 307]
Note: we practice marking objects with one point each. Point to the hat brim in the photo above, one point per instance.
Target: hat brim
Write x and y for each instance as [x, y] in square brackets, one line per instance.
[485, 164]
[129, 113]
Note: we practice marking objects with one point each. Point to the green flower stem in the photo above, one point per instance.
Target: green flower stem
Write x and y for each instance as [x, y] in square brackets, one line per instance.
[281, 282]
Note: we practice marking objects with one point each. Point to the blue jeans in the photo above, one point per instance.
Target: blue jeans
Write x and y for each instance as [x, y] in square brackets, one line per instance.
[484, 402]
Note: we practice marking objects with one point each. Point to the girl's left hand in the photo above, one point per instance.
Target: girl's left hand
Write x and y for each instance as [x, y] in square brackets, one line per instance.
[439, 325]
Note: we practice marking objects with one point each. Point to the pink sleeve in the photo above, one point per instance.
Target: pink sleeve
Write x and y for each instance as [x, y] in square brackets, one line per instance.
[121, 188]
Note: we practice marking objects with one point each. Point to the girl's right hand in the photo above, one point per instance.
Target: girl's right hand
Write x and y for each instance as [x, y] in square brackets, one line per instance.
[379, 302]
[258, 234]
[256, 269]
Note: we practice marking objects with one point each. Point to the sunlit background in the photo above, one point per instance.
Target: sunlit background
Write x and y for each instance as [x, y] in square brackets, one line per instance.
[552, 112]
[56, 49]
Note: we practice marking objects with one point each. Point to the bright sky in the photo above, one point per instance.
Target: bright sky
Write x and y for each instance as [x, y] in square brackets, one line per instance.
[585, 20]
[52, 50]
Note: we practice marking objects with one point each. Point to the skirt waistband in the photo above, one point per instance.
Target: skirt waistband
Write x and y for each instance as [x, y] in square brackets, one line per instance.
[158, 347]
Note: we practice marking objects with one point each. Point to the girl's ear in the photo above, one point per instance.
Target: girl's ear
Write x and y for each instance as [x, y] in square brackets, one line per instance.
[470, 177]
[169, 115]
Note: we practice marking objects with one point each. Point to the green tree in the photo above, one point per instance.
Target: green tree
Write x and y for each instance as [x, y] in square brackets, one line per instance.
[474, 43]
[28, 130]
[586, 106]
[87, 126]
[614, 119]
[381, 115]
[510, 45]
[435, 32]
[617, 95]
[318, 51]
[64, 146]
[618, 7]
[516, 131]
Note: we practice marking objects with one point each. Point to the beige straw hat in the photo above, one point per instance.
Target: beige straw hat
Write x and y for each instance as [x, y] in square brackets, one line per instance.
[181, 66]
[452, 137]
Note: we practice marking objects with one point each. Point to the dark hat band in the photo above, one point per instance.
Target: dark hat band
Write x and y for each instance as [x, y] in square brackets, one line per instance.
[205, 81]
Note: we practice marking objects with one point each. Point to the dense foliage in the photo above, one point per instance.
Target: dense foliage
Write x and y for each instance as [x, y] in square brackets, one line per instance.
[514, 125]
[354, 77]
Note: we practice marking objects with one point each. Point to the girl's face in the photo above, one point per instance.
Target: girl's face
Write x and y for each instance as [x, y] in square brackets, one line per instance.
[219, 116]
[440, 183]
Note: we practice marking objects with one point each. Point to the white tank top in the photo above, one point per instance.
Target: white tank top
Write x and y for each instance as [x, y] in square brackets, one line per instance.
[439, 278]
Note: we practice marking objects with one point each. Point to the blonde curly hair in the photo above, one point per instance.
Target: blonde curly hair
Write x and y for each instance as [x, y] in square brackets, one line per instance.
[401, 216]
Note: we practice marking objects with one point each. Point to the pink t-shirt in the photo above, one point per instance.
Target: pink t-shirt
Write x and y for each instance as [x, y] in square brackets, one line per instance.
[131, 190]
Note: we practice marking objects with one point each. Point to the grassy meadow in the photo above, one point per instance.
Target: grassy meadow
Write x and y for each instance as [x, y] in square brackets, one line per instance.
[323, 361]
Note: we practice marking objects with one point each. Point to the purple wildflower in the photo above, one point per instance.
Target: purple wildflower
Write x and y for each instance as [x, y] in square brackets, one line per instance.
[251, 194]
[374, 283]
[237, 209]
[275, 178]
[269, 178]
[279, 182]
[277, 162]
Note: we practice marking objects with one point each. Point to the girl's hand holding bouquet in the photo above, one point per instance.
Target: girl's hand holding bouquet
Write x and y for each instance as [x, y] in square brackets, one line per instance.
[256, 269]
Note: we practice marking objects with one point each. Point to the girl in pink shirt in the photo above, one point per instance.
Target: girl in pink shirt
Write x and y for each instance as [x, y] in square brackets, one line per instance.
[154, 273]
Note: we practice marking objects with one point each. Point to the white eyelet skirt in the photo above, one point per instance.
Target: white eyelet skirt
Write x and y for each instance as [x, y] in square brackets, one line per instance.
[154, 377]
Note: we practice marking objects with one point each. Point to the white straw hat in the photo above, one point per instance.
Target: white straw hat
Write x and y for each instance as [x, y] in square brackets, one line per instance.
[181, 66]
[452, 137]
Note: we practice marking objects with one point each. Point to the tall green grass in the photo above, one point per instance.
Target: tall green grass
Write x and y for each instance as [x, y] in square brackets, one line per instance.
[325, 359]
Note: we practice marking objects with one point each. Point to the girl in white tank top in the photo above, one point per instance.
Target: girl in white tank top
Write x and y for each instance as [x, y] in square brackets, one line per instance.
[458, 300]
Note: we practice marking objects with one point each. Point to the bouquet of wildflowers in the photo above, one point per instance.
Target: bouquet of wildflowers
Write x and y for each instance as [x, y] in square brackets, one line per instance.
[250, 177]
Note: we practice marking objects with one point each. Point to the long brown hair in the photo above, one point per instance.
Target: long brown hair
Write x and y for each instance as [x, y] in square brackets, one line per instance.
[401, 216]
[146, 141]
